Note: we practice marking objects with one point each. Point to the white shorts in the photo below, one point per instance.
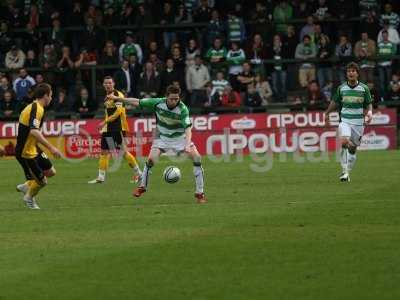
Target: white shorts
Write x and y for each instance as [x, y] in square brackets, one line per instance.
[354, 132]
[175, 145]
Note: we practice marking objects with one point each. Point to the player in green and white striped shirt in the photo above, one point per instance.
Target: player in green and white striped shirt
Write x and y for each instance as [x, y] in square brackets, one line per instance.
[354, 100]
[173, 132]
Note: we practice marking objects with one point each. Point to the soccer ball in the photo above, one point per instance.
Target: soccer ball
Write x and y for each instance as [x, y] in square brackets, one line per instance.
[172, 174]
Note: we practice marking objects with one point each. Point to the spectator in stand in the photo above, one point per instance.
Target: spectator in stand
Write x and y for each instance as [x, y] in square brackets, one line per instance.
[302, 9]
[22, 84]
[203, 13]
[130, 47]
[235, 58]
[230, 98]
[6, 37]
[169, 75]
[110, 18]
[393, 34]
[192, 50]
[109, 57]
[56, 34]
[15, 58]
[157, 62]
[245, 78]
[218, 84]
[94, 14]
[322, 12]
[307, 29]
[394, 93]
[31, 38]
[127, 15]
[154, 49]
[324, 69]
[48, 61]
[135, 69]
[344, 10]
[34, 15]
[279, 74]
[149, 82]
[386, 50]
[8, 104]
[168, 18]
[252, 98]
[395, 79]
[316, 100]
[215, 28]
[179, 60]
[256, 53]
[183, 17]
[197, 77]
[343, 52]
[374, 94]
[368, 7]
[4, 85]
[91, 38]
[390, 17]
[31, 60]
[86, 58]
[216, 56]
[84, 105]
[123, 78]
[364, 50]
[264, 89]
[306, 51]
[61, 104]
[235, 28]
[190, 6]
[261, 18]
[144, 17]
[66, 74]
[369, 25]
[39, 78]
[283, 12]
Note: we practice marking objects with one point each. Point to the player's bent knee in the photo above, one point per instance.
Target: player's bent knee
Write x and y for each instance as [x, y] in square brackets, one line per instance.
[352, 149]
[345, 142]
[50, 173]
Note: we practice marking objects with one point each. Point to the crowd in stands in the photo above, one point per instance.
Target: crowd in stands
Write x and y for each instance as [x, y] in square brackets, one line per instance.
[238, 53]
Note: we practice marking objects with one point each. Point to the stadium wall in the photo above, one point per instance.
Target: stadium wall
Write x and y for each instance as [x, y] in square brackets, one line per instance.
[220, 134]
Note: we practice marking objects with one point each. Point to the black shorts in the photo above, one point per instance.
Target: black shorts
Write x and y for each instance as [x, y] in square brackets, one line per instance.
[112, 140]
[34, 168]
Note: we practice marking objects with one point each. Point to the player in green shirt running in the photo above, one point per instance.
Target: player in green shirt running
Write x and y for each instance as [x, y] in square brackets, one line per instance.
[354, 100]
[173, 133]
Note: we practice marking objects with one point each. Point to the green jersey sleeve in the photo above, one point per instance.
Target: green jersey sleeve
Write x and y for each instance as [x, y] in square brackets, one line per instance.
[367, 97]
[150, 103]
[185, 118]
[337, 97]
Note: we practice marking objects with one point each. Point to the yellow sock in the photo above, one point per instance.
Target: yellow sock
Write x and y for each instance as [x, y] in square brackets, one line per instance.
[103, 162]
[29, 183]
[132, 162]
[34, 188]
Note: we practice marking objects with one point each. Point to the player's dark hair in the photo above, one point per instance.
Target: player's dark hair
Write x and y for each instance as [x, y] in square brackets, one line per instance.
[353, 66]
[108, 77]
[173, 90]
[41, 90]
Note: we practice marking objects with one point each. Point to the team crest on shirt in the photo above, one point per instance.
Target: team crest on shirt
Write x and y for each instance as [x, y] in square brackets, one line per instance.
[36, 123]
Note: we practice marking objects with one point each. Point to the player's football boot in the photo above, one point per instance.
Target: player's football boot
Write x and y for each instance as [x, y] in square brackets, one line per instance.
[344, 177]
[22, 188]
[30, 202]
[139, 191]
[136, 178]
[200, 198]
[97, 180]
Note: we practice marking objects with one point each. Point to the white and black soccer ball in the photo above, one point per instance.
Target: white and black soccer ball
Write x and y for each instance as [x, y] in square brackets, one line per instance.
[172, 174]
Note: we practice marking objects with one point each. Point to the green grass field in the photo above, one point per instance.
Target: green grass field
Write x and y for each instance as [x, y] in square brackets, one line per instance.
[292, 233]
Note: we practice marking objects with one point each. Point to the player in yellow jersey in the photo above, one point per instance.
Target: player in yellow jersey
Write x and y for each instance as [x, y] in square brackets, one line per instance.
[113, 130]
[35, 163]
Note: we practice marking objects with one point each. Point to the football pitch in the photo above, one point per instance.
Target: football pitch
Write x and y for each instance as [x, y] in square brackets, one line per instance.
[293, 232]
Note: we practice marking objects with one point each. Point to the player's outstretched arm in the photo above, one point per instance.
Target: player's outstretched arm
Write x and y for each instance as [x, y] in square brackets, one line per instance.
[188, 135]
[368, 114]
[332, 107]
[131, 101]
[42, 140]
